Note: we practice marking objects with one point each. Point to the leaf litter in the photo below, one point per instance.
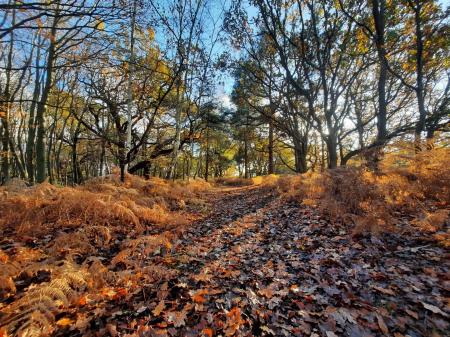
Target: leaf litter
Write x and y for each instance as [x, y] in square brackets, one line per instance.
[259, 265]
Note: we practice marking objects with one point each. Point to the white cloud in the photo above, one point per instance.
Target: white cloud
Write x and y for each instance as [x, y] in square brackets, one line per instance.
[225, 100]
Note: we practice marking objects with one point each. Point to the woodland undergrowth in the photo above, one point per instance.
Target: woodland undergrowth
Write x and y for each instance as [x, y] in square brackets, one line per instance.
[63, 248]
[57, 243]
[411, 192]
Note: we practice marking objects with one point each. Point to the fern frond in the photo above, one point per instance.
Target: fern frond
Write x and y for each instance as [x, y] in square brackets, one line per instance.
[34, 313]
[101, 235]
[37, 326]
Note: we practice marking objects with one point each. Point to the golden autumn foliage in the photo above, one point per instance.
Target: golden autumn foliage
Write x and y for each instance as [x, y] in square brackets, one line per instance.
[79, 246]
[255, 181]
[56, 234]
[100, 202]
[410, 186]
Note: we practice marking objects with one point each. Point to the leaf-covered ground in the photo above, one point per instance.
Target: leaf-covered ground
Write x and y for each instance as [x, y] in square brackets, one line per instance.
[262, 266]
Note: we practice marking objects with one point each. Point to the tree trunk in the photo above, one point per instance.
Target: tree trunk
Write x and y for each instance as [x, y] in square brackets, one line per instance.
[379, 16]
[102, 158]
[6, 109]
[300, 161]
[190, 159]
[246, 175]
[332, 150]
[198, 169]
[300, 153]
[246, 164]
[341, 153]
[75, 170]
[122, 161]
[19, 164]
[130, 82]
[270, 164]
[49, 150]
[420, 127]
[146, 171]
[19, 158]
[177, 140]
[5, 146]
[207, 155]
[30, 146]
[40, 118]
[378, 12]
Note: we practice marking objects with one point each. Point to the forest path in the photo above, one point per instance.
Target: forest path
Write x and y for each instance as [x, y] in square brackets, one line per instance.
[258, 265]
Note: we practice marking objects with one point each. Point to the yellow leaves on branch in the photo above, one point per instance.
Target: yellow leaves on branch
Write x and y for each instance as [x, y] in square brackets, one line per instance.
[99, 24]
[151, 33]
[39, 22]
[409, 66]
[163, 69]
[362, 41]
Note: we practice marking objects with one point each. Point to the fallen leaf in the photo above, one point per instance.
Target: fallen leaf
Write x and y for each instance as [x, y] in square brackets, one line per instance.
[208, 332]
[3, 257]
[82, 322]
[177, 318]
[412, 313]
[65, 321]
[108, 292]
[382, 324]
[141, 309]
[294, 288]
[199, 296]
[204, 276]
[112, 329]
[434, 309]
[159, 308]
[82, 301]
[121, 292]
[234, 321]
[347, 315]
[384, 290]
[266, 292]
[267, 329]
